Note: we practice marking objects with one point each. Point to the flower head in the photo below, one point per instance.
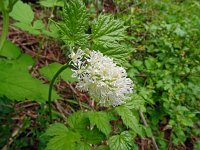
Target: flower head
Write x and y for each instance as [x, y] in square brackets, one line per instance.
[98, 75]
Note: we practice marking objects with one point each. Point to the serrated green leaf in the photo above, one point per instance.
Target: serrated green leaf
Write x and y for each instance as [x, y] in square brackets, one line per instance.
[92, 136]
[26, 27]
[78, 121]
[56, 129]
[10, 50]
[50, 70]
[51, 3]
[101, 120]
[22, 12]
[119, 53]
[38, 24]
[107, 31]
[197, 145]
[72, 28]
[148, 131]
[103, 147]
[124, 141]
[18, 84]
[61, 138]
[25, 61]
[137, 103]
[83, 146]
[128, 118]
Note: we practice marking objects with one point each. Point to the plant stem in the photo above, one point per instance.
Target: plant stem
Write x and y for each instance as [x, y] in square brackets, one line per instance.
[145, 123]
[51, 87]
[5, 29]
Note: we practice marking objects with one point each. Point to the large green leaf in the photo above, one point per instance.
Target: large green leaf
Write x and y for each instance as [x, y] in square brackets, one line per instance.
[22, 12]
[56, 129]
[50, 70]
[101, 120]
[75, 20]
[61, 138]
[83, 146]
[119, 52]
[27, 27]
[92, 136]
[24, 61]
[51, 3]
[128, 118]
[79, 121]
[103, 147]
[10, 50]
[107, 31]
[18, 84]
[108, 35]
[124, 141]
[137, 103]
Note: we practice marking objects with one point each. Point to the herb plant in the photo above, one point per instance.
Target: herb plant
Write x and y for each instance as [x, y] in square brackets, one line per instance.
[134, 75]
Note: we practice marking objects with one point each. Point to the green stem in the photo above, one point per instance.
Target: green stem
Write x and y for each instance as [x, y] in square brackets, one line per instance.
[51, 87]
[5, 29]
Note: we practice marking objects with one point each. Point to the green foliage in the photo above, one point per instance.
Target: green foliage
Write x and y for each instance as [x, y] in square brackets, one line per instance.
[137, 102]
[101, 120]
[18, 84]
[6, 109]
[50, 70]
[107, 31]
[75, 21]
[107, 34]
[124, 141]
[51, 3]
[25, 20]
[10, 50]
[62, 138]
[78, 133]
[128, 118]
[79, 121]
[165, 63]
[22, 12]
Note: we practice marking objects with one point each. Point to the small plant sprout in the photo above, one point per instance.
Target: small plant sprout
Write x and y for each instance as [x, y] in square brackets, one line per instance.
[98, 75]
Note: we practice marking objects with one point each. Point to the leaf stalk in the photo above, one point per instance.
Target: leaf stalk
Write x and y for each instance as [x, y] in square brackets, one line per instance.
[51, 87]
[5, 29]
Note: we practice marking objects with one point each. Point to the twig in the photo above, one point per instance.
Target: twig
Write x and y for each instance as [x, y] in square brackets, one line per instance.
[145, 123]
[60, 110]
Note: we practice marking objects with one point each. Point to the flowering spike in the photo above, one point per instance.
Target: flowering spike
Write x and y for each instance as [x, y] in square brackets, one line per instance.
[98, 75]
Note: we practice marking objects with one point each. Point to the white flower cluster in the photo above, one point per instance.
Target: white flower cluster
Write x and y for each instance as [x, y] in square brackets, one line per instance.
[98, 75]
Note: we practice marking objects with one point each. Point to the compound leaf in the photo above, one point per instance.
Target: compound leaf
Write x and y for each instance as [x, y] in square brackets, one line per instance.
[128, 118]
[106, 30]
[124, 141]
[61, 138]
[101, 120]
[51, 3]
[72, 28]
[107, 37]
